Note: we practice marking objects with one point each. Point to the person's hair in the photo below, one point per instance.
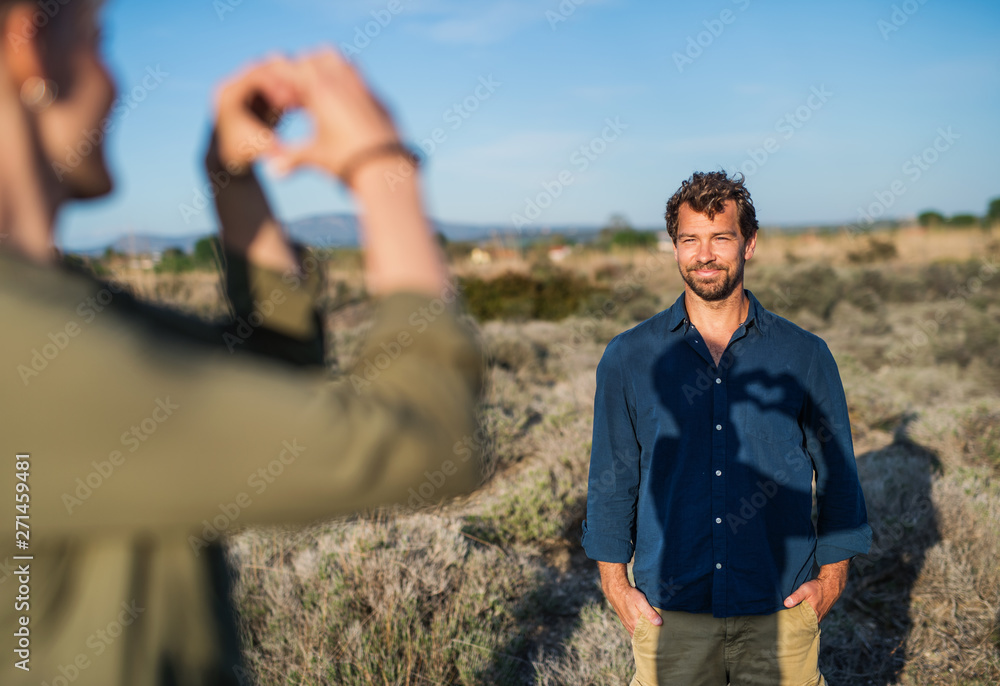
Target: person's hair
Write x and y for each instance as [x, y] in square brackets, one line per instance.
[707, 193]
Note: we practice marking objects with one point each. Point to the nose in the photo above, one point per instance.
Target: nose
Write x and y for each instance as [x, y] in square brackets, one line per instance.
[705, 253]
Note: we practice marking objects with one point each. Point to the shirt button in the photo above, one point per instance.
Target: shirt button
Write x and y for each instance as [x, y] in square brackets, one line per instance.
[718, 472]
[718, 427]
[718, 565]
[718, 520]
[718, 381]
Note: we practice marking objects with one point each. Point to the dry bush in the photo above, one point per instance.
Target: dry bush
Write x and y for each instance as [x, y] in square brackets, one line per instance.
[407, 600]
[415, 599]
[979, 429]
[597, 653]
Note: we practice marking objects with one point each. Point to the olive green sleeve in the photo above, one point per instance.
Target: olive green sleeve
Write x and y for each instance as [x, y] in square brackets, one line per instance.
[274, 314]
[128, 428]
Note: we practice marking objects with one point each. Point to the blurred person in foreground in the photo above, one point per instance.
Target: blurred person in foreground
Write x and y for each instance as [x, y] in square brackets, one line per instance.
[711, 421]
[146, 429]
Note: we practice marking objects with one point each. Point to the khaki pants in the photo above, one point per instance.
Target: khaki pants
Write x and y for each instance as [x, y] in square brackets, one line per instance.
[753, 650]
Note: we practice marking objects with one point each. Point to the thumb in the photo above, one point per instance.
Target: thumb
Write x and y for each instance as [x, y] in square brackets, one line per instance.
[286, 159]
[797, 597]
[648, 612]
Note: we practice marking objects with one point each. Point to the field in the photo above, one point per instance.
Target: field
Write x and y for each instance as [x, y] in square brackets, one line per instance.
[495, 589]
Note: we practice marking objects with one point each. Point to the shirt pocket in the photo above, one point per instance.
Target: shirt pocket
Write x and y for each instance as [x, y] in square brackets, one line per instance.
[771, 413]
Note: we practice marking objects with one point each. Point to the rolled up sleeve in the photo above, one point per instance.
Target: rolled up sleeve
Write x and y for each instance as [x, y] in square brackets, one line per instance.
[131, 428]
[842, 526]
[613, 483]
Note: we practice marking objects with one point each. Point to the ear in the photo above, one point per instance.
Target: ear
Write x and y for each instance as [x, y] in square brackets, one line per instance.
[750, 246]
[22, 58]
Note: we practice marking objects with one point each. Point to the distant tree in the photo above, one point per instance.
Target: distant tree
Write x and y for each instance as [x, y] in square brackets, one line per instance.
[618, 232]
[205, 250]
[964, 220]
[618, 222]
[930, 218]
[441, 239]
[76, 260]
[630, 238]
[110, 253]
[992, 212]
[173, 261]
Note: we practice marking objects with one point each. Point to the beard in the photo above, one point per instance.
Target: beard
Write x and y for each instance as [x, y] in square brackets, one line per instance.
[719, 287]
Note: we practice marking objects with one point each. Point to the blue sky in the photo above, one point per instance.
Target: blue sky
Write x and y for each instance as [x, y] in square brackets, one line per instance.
[585, 108]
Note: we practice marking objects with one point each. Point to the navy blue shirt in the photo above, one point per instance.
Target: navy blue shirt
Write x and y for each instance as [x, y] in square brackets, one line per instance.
[705, 471]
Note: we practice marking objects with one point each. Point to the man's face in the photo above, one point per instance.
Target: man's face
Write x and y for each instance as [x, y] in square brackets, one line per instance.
[711, 253]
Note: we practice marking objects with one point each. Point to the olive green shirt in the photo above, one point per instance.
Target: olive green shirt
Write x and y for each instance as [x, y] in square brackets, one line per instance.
[150, 434]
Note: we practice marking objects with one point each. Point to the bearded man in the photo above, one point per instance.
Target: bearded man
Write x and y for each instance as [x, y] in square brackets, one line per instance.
[711, 421]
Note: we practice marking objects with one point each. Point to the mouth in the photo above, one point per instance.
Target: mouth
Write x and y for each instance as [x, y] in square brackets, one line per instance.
[705, 273]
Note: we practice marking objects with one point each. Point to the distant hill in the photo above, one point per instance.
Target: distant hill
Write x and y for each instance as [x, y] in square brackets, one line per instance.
[341, 230]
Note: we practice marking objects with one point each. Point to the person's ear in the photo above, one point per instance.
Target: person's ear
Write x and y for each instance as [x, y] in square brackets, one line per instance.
[22, 57]
[750, 247]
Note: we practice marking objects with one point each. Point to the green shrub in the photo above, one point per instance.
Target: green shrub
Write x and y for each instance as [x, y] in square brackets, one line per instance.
[540, 510]
[877, 250]
[630, 238]
[815, 289]
[867, 290]
[550, 295]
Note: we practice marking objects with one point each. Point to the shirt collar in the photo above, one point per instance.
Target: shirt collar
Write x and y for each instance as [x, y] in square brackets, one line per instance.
[677, 314]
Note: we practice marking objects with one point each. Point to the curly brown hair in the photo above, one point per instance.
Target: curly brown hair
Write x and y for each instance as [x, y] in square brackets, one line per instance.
[707, 193]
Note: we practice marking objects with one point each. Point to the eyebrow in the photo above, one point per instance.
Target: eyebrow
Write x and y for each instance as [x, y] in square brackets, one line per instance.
[683, 234]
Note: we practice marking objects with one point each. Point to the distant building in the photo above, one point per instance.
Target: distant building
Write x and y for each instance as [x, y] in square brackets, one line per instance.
[559, 253]
[663, 241]
[480, 256]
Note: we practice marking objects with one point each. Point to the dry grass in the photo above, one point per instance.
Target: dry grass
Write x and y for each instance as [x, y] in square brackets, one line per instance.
[495, 590]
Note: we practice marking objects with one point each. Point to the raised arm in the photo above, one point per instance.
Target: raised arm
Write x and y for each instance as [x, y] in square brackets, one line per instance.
[130, 430]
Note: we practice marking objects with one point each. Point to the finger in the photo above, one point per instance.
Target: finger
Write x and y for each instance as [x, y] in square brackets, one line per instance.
[797, 596]
[647, 610]
[259, 95]
[283, 160]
